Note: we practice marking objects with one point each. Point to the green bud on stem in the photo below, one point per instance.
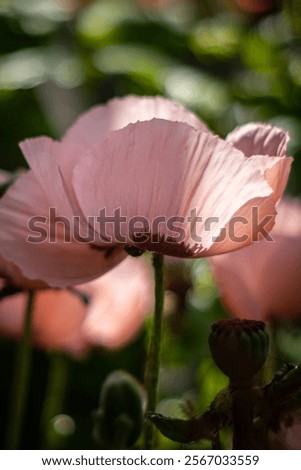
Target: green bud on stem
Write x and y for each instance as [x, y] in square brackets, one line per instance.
[119, 419]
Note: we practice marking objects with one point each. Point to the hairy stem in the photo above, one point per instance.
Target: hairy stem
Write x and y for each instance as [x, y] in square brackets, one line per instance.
[153, 360]
[20, 382]
[244, 399]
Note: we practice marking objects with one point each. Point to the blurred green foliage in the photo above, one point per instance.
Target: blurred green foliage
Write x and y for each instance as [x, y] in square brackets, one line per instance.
[228, 65]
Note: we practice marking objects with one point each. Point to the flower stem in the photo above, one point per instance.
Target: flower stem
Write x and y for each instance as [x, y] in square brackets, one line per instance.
[273, 357]
[153, 360]
[242, 416]
[245, 398]
[20, 381]
[55, 394]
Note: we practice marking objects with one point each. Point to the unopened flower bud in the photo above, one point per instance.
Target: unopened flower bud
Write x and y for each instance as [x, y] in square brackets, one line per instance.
[119, 419]
[239, 347]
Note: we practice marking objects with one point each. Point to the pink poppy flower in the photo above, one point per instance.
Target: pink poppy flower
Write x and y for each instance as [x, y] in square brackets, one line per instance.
[262, 281]
[140, 172]
[117, 305]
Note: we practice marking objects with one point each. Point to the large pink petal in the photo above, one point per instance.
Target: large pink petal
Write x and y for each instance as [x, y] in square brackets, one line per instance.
[275, 170]
[259, 139]
[250, 223]
[52, 163]
[13, 275]
[96, 123]
[60, 262]
[41, 154]
[121, 300]
[260, 213]
[160, 168]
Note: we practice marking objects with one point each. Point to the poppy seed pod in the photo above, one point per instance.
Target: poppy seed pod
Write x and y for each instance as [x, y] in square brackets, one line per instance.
[239, 347]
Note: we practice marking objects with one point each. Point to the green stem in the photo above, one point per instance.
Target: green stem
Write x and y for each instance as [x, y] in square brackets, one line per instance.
[153, 360]
[20, 381]
[55, 394]
[246, 436]
[242, 416]
[273, 361]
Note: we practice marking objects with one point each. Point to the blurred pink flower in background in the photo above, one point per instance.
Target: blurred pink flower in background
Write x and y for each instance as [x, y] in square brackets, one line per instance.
[118, 303]
[262, 281]
[257, 6]
[58, 316]
[73, 5]
[159, 161]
